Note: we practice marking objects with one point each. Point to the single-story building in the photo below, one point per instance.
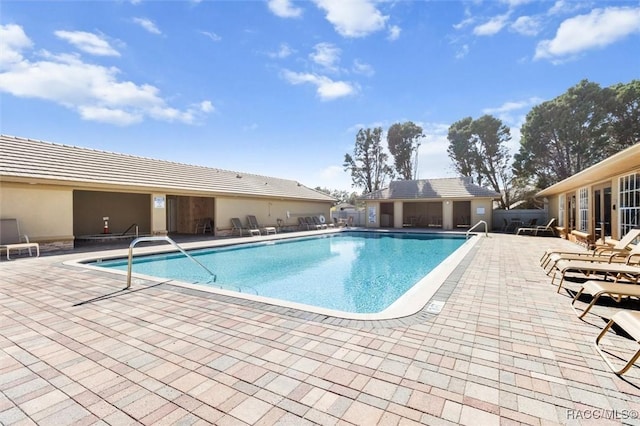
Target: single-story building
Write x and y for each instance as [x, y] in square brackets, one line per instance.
[447, 203]
[60, 193]
[602, 200]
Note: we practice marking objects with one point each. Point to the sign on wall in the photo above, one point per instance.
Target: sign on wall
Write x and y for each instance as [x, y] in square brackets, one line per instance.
[158, 202]
[372, 214]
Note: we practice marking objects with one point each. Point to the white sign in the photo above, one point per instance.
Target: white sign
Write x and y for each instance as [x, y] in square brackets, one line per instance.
[372, 215]
[158, 202]
[480, 210]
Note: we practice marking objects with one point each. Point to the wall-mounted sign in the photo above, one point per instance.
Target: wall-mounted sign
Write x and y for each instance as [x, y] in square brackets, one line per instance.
[372, 215]
[480, 210]
[158, 202]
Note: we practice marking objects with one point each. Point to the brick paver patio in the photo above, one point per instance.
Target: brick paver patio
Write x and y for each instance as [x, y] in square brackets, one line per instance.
[505, 349]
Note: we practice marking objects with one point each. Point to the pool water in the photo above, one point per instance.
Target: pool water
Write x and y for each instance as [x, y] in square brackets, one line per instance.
[358, 272]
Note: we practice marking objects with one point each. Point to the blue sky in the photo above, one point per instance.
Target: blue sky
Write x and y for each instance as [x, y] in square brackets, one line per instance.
[280, 88]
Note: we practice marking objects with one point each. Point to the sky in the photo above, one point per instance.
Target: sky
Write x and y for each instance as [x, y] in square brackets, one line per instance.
[280, 88]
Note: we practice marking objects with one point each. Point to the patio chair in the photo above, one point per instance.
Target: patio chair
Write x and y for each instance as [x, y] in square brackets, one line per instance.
[602, 288]
[204, 225]
[609, 246]
[619, 252]
[535, 230]
[302, 224]
[311, 223]
[629, 321]
[11, 239]
[616, 270]
[317, 222]
[236, 226]
[253, 224]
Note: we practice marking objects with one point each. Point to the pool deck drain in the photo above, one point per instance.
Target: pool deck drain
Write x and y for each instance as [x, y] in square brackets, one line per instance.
[505, 349]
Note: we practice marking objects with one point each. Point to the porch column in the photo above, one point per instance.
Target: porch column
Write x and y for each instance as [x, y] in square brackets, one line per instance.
[447, 214]
[397, 214]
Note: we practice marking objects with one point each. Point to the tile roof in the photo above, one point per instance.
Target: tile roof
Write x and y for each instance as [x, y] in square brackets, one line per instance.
[38, 160]
[431, 188]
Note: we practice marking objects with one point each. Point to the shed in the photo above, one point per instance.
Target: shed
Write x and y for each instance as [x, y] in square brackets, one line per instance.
[445, 203]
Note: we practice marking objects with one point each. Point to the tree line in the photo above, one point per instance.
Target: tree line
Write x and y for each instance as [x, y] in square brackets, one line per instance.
[559, 138]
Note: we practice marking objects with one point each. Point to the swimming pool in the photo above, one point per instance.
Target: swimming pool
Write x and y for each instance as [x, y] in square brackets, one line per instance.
[359, 273]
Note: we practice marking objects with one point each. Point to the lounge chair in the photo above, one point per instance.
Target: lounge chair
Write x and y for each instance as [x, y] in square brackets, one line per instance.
[236, 226]
[603, 256]
[617, 270]
[253, 224]
[609, 246]
[316, 222]
[603, 288]
[529, 227]
[302, 224]
[311, 223]
[11, 239]
[535, 230]
[629, 321]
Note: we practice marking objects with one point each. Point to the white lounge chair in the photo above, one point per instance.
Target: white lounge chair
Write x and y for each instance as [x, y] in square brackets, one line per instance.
[609, 246]
[10, 238]
[603, 288]
[540, 229]
[629, 321]
[603, 256]
[616, 270]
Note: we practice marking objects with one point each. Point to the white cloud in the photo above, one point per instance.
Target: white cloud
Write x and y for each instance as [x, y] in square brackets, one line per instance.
[326, 88]
[362, 68]
[284, 9]
[212, 36]
[527, 25]
[326, 55]
[515, 3]
[206, 106]
[394, 32]
[597, 29]
[88, 42]
[283, 51]
[462, 51]
[12, 41]
[95, 92]
[492, 26]
[148, 25]
[353, 18]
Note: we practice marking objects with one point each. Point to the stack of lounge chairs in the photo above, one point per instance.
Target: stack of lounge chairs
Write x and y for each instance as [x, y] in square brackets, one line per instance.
[617, 265]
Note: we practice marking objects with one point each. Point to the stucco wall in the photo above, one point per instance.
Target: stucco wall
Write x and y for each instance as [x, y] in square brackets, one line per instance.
[44, 213]
[477, 206]
[266, 211]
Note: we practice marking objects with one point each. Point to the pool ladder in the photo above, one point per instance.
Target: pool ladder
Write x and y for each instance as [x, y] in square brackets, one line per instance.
[168, 240]
[482, 222]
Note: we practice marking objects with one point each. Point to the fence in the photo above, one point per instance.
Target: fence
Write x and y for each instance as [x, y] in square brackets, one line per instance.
[502, 217]
[358, 216]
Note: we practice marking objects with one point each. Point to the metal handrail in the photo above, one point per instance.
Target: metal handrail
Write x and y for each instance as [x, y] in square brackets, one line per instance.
[168, 240]
[132, 225]
[486, 228]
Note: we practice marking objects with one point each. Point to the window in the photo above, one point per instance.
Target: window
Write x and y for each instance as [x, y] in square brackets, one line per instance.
[583, 210]
[561, 201]
[629, 202]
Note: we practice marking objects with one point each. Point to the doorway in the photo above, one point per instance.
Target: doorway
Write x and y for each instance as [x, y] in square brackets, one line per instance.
[602, 210]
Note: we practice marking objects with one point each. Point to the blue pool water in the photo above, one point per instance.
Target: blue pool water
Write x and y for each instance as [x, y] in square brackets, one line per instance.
[358, 272]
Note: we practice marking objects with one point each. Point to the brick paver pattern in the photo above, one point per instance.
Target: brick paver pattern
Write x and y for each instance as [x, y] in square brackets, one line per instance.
[506, 349]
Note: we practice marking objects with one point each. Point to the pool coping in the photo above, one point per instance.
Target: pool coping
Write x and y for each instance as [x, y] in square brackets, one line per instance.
[422, 301]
